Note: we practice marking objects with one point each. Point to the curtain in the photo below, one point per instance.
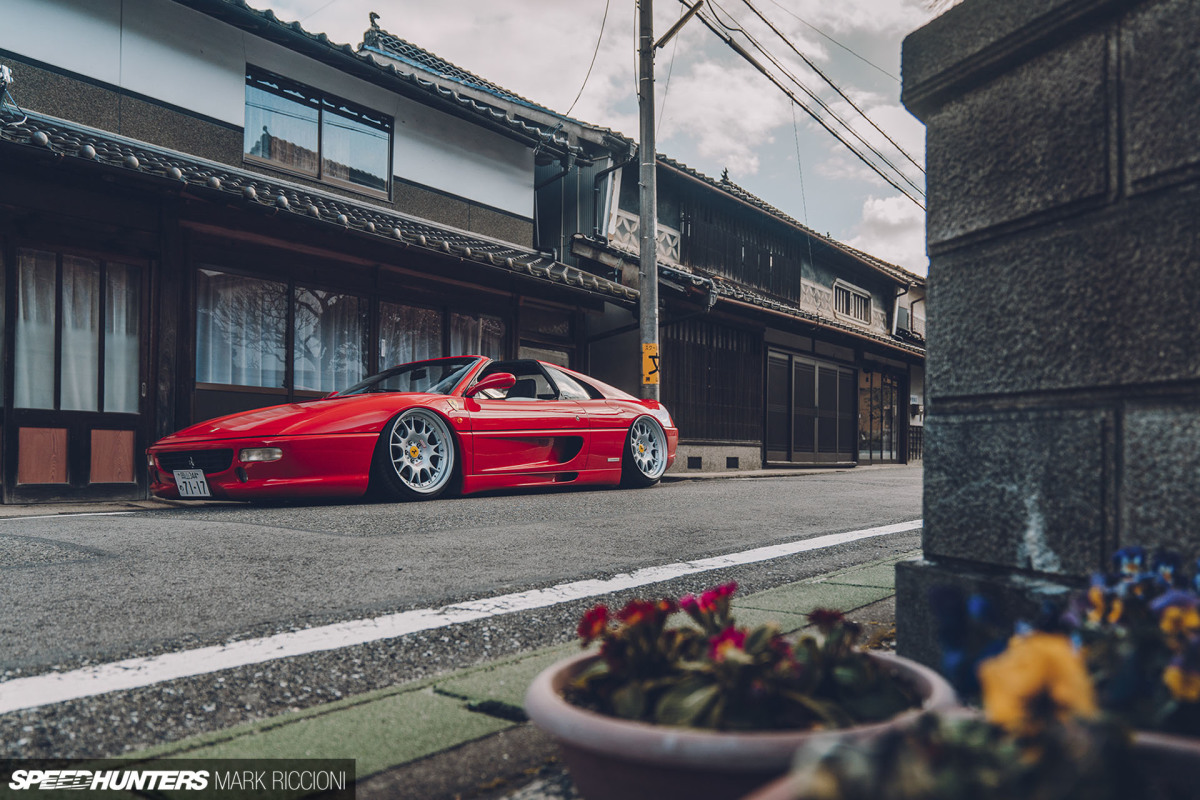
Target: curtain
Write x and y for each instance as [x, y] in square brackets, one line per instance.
[331, 340]
[407, 333]
[35, 329]
[477, 336]
[122, 306]
[241, 330]
[80, 375]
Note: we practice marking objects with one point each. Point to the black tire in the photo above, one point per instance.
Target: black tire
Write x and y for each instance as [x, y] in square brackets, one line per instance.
[416, 457]
[645, 457]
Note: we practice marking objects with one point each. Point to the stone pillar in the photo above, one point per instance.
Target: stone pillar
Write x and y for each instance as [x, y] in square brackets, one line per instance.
[1063, 384]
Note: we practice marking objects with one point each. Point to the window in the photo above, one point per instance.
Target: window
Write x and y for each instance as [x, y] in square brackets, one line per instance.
[241, 330]
[242, 334]
[303, 130]
[331, 340]
[571, 389]
[477, 335]
[78, 333]
[407, 333]
[852, 302]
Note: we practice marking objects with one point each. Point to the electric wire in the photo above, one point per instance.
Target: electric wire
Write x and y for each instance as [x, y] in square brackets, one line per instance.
[832, 85]
[662, 107]
[595, 53]
[318, 11]
[825, 106]
[863, 59]
[729, 40]
[803, 196]
[741, 51]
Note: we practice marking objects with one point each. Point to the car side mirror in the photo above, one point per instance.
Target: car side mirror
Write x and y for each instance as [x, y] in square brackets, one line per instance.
[501, 380]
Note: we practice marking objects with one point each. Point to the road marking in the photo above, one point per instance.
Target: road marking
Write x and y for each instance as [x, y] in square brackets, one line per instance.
[135, 673]
[73, 514]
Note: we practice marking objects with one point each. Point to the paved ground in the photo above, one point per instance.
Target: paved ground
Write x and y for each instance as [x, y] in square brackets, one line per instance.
[461, 735]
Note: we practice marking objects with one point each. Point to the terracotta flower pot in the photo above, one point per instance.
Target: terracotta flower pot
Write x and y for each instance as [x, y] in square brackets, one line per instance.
[1168, 764]
[616, 759]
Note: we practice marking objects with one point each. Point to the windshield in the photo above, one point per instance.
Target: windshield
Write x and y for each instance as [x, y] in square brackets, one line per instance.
[431, 377]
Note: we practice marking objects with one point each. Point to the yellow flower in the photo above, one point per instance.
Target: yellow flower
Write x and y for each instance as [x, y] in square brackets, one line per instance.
[1184, 685]
[1039, 676]
[1179, 620]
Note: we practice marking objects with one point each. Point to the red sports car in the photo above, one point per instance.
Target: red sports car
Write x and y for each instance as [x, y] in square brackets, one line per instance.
[415, 431]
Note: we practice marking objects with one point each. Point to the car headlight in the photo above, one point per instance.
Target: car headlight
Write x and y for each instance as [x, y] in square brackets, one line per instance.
[662, 416]
[260, 454]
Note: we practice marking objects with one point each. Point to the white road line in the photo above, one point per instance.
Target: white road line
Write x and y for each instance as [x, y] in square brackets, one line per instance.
[72, 514]
[135, 673]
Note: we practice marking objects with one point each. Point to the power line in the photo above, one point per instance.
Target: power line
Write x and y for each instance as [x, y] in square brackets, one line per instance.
[835, 41]
[813, 96]
[594, 54]
[737, 48]
[662, 108]
[835, 87]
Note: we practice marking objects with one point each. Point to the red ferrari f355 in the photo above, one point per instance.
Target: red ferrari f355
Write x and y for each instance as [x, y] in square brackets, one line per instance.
[416, 431]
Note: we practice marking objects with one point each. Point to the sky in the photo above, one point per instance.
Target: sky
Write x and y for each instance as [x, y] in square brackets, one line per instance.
[715, 111]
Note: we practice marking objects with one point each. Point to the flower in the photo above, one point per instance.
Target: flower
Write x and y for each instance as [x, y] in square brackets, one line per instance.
[1184, 683]
[727, 642]
[718, 675]
[593, 624]
[1129, 562]
[1039, 677]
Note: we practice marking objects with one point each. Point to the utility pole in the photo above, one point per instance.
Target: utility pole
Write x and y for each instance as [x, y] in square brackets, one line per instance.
[648, 203]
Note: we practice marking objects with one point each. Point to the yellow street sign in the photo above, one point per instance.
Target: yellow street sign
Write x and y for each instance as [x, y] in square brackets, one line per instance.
[650, 364]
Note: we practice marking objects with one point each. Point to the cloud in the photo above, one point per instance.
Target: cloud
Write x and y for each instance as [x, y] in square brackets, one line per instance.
[893, 228]
[870, 16]
[726, 113]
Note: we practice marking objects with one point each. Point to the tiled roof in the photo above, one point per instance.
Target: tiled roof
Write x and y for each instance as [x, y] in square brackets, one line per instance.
[318, 45]
[892, 271]
[220, 182]
[378, 40]
[721, 287]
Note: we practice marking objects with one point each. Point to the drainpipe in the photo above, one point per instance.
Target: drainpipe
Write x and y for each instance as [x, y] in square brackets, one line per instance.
[567, 163]
[601, 175]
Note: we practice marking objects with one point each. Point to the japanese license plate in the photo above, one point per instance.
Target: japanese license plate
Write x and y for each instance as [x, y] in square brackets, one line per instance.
[191, 483]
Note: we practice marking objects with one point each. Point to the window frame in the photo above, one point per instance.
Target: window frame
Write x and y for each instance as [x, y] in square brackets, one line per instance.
[322, 102]
[852, 292]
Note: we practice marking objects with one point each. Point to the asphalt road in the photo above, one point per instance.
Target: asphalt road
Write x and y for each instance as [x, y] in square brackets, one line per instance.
[92, 589]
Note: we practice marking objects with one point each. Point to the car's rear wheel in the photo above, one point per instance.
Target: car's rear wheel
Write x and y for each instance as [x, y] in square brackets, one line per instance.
[645, 458]
[416, 456]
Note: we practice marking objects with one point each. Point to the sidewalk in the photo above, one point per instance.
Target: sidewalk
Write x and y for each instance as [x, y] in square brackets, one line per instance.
[463, 735]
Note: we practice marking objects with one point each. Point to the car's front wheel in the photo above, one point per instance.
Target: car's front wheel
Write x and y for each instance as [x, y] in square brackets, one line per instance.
[645, 458]
[416, 456]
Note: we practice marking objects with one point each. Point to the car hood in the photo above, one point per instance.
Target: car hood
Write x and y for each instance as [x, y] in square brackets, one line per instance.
[334, 415]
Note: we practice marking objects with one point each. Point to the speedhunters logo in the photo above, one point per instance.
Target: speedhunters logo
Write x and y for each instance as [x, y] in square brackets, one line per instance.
[109, 780]
[196, 779]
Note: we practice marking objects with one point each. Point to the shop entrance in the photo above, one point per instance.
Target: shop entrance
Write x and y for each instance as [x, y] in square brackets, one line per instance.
[811, 413]
[879, 418]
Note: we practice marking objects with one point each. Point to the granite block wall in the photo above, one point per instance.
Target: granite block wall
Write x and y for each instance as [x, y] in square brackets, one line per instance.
[1063, 373]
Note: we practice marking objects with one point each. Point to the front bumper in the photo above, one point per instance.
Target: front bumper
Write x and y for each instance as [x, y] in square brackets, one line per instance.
[311, 466]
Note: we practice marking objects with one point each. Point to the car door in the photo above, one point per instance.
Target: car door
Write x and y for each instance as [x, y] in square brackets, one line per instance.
[531, 430]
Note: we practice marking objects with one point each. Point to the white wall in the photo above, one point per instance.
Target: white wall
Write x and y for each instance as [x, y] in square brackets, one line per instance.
[164, 51]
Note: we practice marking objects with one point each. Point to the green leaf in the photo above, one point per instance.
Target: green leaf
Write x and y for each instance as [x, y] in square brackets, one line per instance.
[686, 703]
[629, 701]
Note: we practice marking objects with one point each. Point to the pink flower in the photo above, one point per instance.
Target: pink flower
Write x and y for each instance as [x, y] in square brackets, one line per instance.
[593, 624]
[719, 646]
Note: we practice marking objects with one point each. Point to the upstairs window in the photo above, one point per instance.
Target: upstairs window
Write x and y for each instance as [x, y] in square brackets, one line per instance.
[300, 129]
[852, 302]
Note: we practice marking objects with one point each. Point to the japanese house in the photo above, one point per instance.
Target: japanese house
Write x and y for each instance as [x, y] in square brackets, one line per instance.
[206, 209]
